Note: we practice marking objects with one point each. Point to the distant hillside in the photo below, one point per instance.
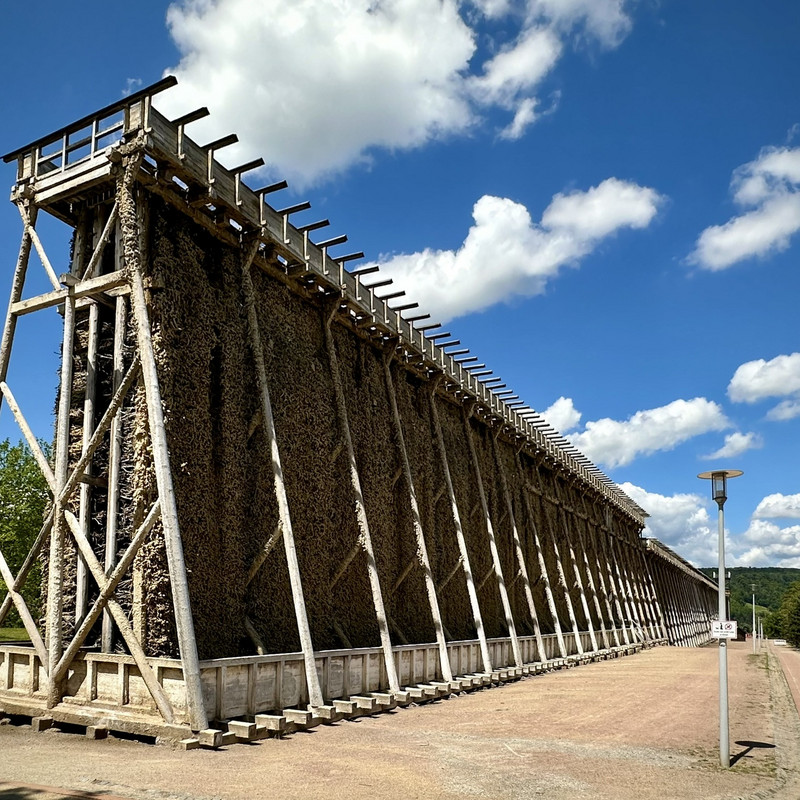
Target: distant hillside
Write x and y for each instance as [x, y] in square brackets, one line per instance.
[771, 583]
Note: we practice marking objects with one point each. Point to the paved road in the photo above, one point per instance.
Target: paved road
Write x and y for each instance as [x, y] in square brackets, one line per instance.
[642, 727]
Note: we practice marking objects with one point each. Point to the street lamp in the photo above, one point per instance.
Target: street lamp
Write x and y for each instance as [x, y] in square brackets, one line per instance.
[719, 493]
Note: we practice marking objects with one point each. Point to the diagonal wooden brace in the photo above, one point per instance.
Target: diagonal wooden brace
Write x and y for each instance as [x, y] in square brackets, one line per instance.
[37, 243]
[121, 618]
[105, 423]
[25, 614]
[30, 560]
[259, 560]
[107, 590]
[101, 244]
[41, 460]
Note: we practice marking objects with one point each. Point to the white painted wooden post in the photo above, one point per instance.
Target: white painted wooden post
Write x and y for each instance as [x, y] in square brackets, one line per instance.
[184, 623]
[462, 543]
[284, 517]
[523, 569]
[498, 569]
[562, 578]
[362, 524]
[548, 591]
[416, 520]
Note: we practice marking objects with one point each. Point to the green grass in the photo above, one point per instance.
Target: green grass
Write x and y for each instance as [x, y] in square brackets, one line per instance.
[14, 635]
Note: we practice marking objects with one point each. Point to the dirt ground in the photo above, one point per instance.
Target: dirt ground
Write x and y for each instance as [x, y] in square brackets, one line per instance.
[645, 726]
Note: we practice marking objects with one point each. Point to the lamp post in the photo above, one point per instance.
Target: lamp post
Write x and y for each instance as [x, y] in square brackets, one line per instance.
[753, 588]
[719, 493]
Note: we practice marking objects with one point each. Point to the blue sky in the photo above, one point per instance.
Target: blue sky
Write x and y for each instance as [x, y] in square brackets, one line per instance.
[601, 198]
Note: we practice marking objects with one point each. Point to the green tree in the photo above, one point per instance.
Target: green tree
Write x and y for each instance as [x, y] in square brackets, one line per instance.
[23, 500]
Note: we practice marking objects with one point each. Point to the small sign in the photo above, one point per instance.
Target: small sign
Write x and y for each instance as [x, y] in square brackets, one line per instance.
[723, 629]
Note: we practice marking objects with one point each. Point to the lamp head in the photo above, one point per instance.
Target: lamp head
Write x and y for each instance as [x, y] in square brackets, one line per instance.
[719, 483]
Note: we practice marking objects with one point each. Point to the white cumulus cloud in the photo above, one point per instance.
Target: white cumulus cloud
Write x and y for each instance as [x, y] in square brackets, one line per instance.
[779, 377]
[770, 188]
[562, 415]
[314, 85]
[785, 410]
[735, 444]
[778, 506]
[681, 521]
[768, 545]
[507, 254]
[615, 443]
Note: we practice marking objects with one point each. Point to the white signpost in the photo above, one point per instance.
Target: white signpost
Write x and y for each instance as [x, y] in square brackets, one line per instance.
[723, 629]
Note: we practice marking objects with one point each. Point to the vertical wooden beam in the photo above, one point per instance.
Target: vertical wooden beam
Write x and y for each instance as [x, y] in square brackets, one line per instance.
[85, 516]
[625, 583]
[521, 565]
[362, 524]
[462, 542]
[548, 590]
[575, 569]
[604, 539]
[562, 578]
[498, 569]
[600, 570]
[114, 461]
[587, 569]
[55, 565]
[184, 623]
[17, 285]
[416, 521]
[315, 696]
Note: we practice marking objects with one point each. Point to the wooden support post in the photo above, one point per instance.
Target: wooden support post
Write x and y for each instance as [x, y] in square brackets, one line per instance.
[284, 517]
[575, 569]
[648, 598]
[498, 569]
[548, 590]
[630, 581]
[462, 542]
[362, 524]
[590, 578]
[523, 568]
[562, 578]
[120, 617]
[17, 285]
[416, 520]
[600, 570]
[625, 590]
[55, 564]
[603, 539]
[85, 515]
[114, 461]
[187, 642]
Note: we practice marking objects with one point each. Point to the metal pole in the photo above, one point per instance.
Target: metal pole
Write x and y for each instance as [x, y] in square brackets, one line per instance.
[753, 587]
[724, 743]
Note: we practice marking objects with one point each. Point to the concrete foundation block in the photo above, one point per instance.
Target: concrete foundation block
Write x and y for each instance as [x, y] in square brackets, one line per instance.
[302, 719]
[326, 713]
[272, 722]
[245, 731]
[188, 744]
[210, 737]
[366, 704]
[385, 701]
[40, 724]
[402, 698]
[95, 732]
[346, 708]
